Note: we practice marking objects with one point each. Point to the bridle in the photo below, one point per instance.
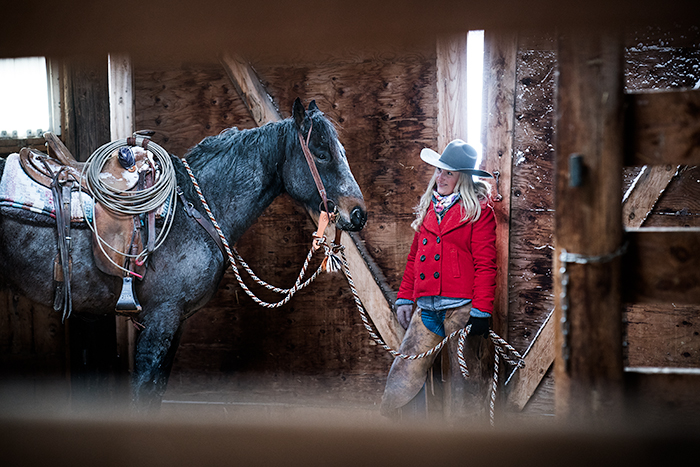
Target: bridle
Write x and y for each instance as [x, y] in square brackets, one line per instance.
[326, 215]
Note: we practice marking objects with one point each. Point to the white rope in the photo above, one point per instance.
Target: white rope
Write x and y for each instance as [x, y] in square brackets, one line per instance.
[332, 262]
[130, 203]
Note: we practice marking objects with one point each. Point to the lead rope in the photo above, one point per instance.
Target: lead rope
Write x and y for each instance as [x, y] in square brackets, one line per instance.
[335, 258]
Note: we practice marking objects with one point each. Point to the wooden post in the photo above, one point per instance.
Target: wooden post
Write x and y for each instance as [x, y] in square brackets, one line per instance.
[452, 89]
[588, 224]
[500, 53]
[121, 118]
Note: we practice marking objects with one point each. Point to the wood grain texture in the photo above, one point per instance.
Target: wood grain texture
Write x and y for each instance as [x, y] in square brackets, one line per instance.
[589, 105]
[663, 128]
[452, 89]
[500, 52]
[648, 187]
[662, 265]
[662, 335]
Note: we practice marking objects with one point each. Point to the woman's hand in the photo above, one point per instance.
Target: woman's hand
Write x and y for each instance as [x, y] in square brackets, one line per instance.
[404, 314]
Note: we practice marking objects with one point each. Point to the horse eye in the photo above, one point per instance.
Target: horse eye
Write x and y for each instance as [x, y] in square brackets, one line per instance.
[323, 156]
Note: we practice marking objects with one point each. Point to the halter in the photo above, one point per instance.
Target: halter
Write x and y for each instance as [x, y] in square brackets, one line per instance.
[325, 216]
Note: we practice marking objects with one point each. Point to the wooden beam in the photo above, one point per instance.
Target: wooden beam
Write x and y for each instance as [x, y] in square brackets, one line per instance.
[500, 54]
[121, 125]
[662, 128]
[662, 265]
[645, 192]
[452, 89]
[588, 182]
[251, 90]
[372, 289]
[538, 358]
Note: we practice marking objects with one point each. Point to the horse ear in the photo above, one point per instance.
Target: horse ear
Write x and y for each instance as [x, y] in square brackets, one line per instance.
[312, 105]
[298, 112]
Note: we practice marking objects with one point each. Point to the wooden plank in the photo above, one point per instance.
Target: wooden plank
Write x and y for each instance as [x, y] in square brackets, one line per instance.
[372, 296]
[375, 301]
[251, 90]
[645, 192]
[538, 359]
[121, 121]
[452, 89]
[663, 128]
[662, 265]
[500, 51]
[589, 106]
[85, 96]
[662, 335]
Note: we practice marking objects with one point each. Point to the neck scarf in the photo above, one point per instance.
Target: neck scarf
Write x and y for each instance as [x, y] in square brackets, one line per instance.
[443, 203]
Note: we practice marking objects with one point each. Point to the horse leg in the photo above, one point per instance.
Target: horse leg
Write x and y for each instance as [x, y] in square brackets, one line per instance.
[155, 353]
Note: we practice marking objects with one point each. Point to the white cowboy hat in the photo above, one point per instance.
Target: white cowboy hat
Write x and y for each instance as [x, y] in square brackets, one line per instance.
[458, 156]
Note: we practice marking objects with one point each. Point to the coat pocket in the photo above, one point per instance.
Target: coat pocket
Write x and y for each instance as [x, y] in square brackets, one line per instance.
[454, 259]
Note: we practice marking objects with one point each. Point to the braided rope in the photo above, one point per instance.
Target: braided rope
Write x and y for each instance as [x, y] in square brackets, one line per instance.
[332, 263]
[130, 203]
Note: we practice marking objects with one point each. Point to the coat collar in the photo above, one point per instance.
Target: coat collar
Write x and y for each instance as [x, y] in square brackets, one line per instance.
[452, 220]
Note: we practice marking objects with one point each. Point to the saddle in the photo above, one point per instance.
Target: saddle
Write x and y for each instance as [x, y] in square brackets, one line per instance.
[123, 172]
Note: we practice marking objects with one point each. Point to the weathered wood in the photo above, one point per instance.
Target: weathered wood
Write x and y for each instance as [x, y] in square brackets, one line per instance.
[589, 106]
[679, 206]
[663, 128]
[86, 98]
[645, 192]
[500, 51]
[122, 118]
[452, 89]
[538, 359]
[662, 265]
[251, 90]
[375, 301]
[662, 335]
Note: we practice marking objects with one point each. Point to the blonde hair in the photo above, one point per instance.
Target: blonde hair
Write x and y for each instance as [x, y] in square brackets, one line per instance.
[471, 194]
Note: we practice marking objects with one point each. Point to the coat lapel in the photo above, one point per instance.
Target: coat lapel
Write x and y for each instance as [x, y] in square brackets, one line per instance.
[451, 221]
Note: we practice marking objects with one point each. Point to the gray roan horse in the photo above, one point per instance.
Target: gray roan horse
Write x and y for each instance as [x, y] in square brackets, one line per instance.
[240, 173]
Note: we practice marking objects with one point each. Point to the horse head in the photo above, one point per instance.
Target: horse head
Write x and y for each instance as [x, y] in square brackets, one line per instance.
[329, 158]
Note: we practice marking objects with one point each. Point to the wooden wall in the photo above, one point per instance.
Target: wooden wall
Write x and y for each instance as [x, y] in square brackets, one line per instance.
[384, 106]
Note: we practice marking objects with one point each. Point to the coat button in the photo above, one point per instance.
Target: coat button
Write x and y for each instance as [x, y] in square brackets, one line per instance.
[422, 276]
[438, 240]
[437, 257]
[436, 275]
[425, 241]
[422, 258]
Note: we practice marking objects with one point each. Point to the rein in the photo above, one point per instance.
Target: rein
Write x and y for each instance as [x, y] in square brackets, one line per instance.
[335, 260]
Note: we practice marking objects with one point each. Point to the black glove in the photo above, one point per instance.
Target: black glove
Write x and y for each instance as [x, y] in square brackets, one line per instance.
[480, 326]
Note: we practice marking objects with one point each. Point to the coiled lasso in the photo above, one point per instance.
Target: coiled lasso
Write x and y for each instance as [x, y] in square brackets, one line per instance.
[132, 203]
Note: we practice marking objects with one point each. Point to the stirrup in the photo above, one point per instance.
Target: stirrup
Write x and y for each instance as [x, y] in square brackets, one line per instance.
[127, 298]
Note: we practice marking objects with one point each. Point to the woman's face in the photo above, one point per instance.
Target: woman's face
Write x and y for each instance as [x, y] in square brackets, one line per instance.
[446, 181]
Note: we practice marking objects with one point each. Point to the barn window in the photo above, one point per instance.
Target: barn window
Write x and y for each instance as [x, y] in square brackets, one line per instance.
[29, 103]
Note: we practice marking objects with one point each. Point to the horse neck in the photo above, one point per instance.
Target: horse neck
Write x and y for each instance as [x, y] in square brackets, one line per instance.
[244, 182]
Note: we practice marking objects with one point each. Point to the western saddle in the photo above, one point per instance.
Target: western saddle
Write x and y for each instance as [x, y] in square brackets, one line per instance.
[128, 169]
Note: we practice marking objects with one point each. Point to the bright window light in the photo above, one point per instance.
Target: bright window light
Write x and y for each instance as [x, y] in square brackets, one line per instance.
[24, 98]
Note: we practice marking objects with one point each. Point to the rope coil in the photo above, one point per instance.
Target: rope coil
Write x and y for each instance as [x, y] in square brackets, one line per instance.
[131, 203]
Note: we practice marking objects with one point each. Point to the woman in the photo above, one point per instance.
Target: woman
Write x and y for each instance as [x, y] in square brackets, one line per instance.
[450, 274]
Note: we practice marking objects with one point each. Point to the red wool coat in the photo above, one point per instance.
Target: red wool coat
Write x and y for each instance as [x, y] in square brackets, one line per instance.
[453, 259]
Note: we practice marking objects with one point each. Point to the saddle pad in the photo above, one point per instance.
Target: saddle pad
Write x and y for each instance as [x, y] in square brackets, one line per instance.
[19, 191]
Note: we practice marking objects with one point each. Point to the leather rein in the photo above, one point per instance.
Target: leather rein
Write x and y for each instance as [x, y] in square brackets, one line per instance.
[324, 216]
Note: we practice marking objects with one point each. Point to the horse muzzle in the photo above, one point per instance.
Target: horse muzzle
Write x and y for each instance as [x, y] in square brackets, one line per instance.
[353, 218]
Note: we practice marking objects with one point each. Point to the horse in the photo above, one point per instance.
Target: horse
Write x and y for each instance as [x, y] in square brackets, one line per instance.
[240, 173]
